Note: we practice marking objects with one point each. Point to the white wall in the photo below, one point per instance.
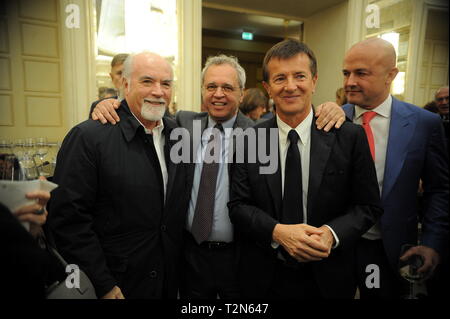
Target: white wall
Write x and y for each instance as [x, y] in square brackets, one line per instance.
[325, 34]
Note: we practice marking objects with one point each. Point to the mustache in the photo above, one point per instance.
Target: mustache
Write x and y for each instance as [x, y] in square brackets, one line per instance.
[352, 89]
[155, 101]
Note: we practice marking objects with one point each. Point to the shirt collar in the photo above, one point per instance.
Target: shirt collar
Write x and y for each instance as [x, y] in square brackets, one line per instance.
[384, 109]
[303, 129]
[227, 124]
[157, 130]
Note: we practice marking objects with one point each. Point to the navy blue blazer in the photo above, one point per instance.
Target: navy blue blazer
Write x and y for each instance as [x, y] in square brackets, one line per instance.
[416, 150]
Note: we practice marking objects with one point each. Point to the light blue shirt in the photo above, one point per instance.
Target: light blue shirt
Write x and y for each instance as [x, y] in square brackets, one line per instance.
[222, 229]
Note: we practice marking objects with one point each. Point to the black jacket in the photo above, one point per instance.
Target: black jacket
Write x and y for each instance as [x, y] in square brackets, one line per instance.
[342, 193]
[108, 214]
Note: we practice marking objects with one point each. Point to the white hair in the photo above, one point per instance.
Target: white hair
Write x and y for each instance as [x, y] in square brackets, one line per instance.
[225, 59]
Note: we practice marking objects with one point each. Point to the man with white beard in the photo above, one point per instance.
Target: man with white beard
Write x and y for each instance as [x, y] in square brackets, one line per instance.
[118, 212]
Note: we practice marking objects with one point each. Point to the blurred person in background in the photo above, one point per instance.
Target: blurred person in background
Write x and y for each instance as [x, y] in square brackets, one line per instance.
[116, 78]
[340, 97]
[254, 104]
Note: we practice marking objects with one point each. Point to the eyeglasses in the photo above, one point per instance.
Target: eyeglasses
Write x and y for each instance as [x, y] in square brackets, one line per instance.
[225, 88]
[442, 99]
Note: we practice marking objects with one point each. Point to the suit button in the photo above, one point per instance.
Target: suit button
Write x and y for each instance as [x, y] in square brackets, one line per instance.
[153, 274]
[163, 228]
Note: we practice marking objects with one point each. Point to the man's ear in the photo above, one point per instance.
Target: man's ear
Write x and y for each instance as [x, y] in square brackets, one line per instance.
[267, 87]
[391, 75]
[125, 85]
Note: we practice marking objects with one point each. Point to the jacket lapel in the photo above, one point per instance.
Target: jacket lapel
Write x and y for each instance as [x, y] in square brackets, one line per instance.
[401, 130]
[274, 180]
[321, 144]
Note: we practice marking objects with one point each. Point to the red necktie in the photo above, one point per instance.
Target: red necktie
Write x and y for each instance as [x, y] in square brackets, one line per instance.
[366, 118]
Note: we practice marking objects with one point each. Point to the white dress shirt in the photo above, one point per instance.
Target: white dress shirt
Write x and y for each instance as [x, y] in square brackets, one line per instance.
[304, 146]
[380, 129]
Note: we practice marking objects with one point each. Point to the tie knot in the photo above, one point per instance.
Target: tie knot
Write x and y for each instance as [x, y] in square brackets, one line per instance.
[219, 127]
[368, 116]
[293, 136]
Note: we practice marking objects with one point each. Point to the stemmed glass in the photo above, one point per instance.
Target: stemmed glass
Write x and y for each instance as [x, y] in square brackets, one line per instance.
[41, 151]
[18, 148]
[41, 147]
[5, 146]
[408, 269]
[29, 146]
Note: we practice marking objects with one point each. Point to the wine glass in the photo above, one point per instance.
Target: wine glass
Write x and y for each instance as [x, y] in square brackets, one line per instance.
[28, 167]
[408, 269]
[41, 147]
[5, 146]
[41, 151]
[29, 146]
[18, 147]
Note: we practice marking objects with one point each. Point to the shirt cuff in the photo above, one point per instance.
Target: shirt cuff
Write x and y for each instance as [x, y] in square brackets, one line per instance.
[336, 239]
[274, 245]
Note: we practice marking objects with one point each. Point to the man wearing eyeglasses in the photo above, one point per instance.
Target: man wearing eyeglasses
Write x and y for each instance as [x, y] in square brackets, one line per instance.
[441, 99]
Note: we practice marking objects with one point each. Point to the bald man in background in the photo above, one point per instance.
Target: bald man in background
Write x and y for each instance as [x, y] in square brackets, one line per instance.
[406, 145]
[441, 99]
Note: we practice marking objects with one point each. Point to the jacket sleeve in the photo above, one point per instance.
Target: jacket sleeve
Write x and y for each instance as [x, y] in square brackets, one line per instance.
[434, 176]
[71, 213]
[247, 218]
[364, 209]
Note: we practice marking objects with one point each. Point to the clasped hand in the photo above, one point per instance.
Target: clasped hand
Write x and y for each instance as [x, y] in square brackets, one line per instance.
[303, 242]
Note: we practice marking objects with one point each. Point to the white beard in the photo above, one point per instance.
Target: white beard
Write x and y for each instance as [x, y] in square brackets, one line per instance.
[151, 112]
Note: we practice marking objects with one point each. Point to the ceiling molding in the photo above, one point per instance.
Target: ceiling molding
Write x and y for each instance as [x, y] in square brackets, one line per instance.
[250, 11]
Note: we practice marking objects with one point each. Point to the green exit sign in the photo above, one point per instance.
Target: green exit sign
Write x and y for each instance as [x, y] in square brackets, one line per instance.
[247, 36]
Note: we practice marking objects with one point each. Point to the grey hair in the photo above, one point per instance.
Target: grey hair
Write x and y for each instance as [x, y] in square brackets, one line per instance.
[439, 90]
[225, 59]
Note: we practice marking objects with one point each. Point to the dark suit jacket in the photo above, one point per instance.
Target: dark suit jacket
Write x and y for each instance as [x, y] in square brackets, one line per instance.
[186, 120]
[108, 214]
[342, 193]
[416, 150]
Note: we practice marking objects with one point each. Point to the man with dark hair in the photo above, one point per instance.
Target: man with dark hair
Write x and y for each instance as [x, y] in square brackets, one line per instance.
[116, 78]
[296, 228]
[254, 103]
[117, 69]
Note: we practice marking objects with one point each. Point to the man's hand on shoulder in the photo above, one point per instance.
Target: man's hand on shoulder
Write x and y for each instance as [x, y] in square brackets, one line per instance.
[329, 114]
[105, 111]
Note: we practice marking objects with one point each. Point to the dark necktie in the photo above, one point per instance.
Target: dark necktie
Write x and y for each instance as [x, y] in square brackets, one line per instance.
[293, 195]
[204, 208]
